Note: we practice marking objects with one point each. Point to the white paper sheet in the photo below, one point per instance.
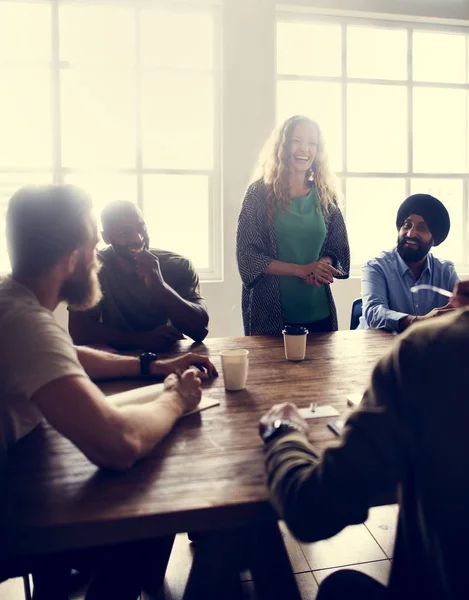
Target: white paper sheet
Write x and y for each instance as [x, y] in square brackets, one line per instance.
[319, 413]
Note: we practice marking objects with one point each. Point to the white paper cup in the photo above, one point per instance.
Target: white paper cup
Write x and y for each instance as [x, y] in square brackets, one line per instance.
[235, 369]
[294, 340]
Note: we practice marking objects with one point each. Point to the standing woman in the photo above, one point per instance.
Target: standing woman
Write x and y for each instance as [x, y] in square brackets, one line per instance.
[291, 239]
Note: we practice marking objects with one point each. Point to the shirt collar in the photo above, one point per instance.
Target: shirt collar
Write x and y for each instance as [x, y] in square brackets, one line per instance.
[403, 268]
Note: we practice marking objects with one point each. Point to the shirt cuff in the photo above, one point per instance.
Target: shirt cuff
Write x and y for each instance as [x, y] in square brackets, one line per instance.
[295, 438]
[392, 320]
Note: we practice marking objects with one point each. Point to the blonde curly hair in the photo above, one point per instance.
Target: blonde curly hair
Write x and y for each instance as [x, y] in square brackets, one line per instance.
[274, 168]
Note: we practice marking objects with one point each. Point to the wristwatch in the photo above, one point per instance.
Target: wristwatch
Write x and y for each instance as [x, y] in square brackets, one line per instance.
[278, 428]
[145, 361]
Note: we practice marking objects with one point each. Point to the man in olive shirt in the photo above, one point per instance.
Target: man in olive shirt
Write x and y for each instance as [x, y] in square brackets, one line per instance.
[410, 434]
[150, 297]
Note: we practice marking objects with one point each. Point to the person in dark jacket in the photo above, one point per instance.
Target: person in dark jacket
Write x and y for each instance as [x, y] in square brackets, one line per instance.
[409, 434]
[291, 238]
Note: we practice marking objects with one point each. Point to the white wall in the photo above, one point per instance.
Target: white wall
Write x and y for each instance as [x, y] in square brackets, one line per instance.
[248, 49]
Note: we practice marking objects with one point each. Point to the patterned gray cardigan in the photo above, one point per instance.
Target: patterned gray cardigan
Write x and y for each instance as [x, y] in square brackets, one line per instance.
[256, 247]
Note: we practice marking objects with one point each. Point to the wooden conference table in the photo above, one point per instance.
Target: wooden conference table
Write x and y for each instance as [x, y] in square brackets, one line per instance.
[207, 474]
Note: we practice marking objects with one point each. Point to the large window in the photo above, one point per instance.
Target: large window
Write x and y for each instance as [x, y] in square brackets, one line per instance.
[122, 99]
[392, 100]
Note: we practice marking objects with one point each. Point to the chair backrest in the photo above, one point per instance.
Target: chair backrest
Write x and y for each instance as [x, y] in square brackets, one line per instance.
[356, 313]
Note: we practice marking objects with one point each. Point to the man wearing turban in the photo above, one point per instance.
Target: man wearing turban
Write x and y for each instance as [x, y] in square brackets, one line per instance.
[422, 223]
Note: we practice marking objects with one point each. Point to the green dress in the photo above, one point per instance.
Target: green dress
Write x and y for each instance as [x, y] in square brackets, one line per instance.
[300, 232]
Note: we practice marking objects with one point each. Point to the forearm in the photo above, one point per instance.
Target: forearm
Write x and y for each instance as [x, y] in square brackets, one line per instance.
[379, 316]
[302, 498]
[101, 365]
[283, 269]
[148, 424]
[407, 321]
[190, 318]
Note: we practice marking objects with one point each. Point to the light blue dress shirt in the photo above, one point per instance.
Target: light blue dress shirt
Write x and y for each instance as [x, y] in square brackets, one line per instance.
[386, 283]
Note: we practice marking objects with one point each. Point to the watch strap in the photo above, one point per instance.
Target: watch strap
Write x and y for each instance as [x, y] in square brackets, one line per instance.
[145, 361]
[279, 428]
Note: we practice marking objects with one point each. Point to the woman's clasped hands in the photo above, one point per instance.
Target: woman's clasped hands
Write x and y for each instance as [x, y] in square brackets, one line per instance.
[318, 272]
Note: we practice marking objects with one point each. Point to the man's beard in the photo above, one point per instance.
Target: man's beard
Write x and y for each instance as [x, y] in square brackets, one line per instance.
[82, 290]
[413, 255]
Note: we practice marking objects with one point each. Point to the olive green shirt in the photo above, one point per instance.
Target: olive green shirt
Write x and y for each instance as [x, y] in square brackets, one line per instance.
[128, 304]
[300, 231]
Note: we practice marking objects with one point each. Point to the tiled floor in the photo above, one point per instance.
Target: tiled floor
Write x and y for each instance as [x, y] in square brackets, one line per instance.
[366, 547]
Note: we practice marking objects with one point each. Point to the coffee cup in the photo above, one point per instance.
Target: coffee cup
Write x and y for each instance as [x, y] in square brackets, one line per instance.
[294, 340]
[235, 368]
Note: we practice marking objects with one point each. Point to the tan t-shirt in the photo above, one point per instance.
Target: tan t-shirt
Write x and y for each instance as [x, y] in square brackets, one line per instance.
[34, 350]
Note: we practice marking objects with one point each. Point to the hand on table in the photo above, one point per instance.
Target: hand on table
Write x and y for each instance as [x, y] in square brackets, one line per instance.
[437, 312]
[460, 295]
[285, 412]
[187, 388]
[201, 365]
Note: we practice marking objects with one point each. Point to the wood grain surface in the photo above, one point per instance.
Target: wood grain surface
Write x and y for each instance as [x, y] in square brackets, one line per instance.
[207, 474]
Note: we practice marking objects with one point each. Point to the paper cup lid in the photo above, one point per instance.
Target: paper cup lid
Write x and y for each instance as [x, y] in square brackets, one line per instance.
[295, 330]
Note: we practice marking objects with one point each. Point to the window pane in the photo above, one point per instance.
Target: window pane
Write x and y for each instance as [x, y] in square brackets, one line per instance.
[439, 57]
[450, 192]
[177, 119]
[176, 40]
[319, 101]
[81, 34]
[25, 31]
[177, 215]
[376, 53]
[439, 130]
[309, 49]
[372, 206]
[25, 117]
[98, 119]
[105, 188]
[9, 184]
[377, 128]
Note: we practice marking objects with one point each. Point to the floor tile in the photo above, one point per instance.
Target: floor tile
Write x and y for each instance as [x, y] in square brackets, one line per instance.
[379, 570]
[178, 568]
[297, 557]
[354, 544]
[306, 584]
[12, 589]
[382, 524]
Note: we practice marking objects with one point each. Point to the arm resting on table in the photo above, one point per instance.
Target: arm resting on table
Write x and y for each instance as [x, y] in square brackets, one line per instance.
[109, 436]
[318, 498]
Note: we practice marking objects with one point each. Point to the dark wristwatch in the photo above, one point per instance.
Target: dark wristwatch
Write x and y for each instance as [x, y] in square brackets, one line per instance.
[278, 428]
[145, 361]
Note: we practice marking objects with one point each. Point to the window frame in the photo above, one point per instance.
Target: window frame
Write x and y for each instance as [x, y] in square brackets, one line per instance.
[214, 272]
[285, 14]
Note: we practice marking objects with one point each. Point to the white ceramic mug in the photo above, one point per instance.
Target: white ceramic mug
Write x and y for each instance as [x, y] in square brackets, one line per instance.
[235, 368]
[294, 340]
